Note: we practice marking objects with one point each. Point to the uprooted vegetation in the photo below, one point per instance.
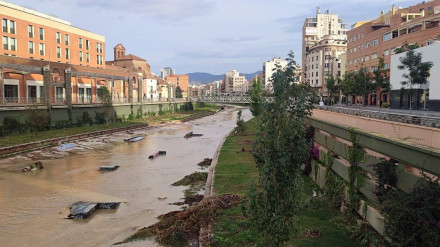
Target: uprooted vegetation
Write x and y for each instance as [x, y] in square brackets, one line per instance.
[195, 178]
[181, 228]
[189, 200]
[205, 163]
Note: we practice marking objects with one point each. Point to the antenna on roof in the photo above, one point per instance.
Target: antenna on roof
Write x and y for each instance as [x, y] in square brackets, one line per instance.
[318, 10]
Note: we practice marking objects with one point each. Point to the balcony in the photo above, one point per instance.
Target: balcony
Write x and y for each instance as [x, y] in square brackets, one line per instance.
[19, 101]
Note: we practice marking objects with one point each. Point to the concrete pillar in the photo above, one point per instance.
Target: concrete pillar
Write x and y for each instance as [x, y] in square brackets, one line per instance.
[140, 88]
[130, 90]
[25, 97]
[46, 89]
[169, 92]
[2, 83]
[68, 81]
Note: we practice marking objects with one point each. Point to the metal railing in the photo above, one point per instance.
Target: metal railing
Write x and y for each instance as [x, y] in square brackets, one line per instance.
[17, 101]
[386, 115]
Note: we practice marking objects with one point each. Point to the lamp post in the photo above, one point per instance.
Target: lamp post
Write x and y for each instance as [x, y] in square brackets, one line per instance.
[330, 64]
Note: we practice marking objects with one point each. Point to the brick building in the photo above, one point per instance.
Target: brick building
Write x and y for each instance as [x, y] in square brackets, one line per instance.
[369, 40]
[30, 34]
[179, 80]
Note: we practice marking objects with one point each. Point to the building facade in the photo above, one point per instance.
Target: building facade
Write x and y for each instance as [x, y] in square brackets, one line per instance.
[370, 40]
[181, 81]
[234, 83]
[30, 34]
[323, 60]
[315, 28]
[164, 72]
[426, 96]
[269, 68]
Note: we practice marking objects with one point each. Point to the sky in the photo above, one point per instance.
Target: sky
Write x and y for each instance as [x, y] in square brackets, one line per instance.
[212, 36]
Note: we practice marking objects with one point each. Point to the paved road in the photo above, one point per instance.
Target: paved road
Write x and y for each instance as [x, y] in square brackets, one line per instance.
[426, 113]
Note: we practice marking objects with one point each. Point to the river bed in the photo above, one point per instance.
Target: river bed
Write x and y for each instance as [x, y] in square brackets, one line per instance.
[33, 205]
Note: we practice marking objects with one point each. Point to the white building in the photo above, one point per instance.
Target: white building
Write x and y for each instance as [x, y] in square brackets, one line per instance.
[424, 96]
[234, 83]
[269, 68]
[164, 72]
[152, 89]
[315, 28]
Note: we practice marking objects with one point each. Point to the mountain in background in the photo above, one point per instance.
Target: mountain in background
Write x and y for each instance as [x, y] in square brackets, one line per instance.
[205, 78]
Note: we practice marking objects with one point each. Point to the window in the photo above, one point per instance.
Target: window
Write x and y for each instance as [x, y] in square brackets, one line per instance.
[30, 31]
[80, 56]
[367, 45]
[41, 32]
[386, 52]
[67, 51]
[375, 42]
[316, 73]
[66, 39]
[13, 44]
[5, 25]
[99, 60]
[42, 49]
[31, 47]
[87, 57]
[354, 38]
[58, 38]
[386, 37]
[428, 42]
[97, 47]
[58, 52]
[386, 66]
[5, 43]
[87, 44]
[80, 42]
[374, 56]
[12, 27]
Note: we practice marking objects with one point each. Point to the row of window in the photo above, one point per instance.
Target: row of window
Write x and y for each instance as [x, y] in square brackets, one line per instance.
[9, 26]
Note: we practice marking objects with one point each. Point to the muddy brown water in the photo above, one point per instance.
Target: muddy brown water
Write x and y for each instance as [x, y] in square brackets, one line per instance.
[33, 205]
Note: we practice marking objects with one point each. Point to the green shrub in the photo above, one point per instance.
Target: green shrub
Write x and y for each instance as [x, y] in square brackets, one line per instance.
[63, 124]
[100, 117]
[385, 105]
[87, 118]
[12, 125]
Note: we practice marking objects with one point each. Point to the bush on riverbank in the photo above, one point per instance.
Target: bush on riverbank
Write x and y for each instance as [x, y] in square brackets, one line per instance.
[195, 178]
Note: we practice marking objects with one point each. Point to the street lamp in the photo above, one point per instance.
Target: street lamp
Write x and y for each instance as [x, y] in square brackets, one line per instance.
[330, 64]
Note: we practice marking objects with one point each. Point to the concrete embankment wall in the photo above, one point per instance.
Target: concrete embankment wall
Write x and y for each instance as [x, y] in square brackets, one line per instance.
[60, 113]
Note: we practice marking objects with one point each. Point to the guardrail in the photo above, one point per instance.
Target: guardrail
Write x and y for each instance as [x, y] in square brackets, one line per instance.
[17, 101]
[336, 139]
[384, 115]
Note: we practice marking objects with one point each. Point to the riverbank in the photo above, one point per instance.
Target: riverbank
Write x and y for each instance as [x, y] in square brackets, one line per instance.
[11, 145]
[235, 168]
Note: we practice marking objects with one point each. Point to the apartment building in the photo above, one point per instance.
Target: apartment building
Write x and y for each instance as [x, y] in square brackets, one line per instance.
[315, 28]
[234, 83]
[323, 60]
[164, 72]
[29, 34]
[369, 40]
[269, 68]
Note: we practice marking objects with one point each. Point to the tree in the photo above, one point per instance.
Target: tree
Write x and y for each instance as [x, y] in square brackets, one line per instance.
[106, 99]
[256, 105]
[333, 87]
[381, 78]
[347, 84]
[279, 151]
[179, 92]
[362, 84]
[418, 71]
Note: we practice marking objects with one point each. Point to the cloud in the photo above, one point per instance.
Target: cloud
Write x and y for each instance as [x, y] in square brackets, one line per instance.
[170, 11]
[238, 39]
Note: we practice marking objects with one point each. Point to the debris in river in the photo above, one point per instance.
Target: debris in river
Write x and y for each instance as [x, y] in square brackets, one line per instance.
[82, 210]
[189, 200]
[134, 139]
[157, 154]
[65, 146]
[108, 168]
[187, 223]
[206, 162]
[35, 166]
[191, 134]
[195, 178]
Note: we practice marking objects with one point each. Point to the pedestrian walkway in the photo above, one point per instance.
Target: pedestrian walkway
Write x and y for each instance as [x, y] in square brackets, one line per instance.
[417, 117]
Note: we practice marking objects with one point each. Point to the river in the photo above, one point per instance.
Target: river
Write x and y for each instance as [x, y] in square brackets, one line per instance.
[33, 205]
